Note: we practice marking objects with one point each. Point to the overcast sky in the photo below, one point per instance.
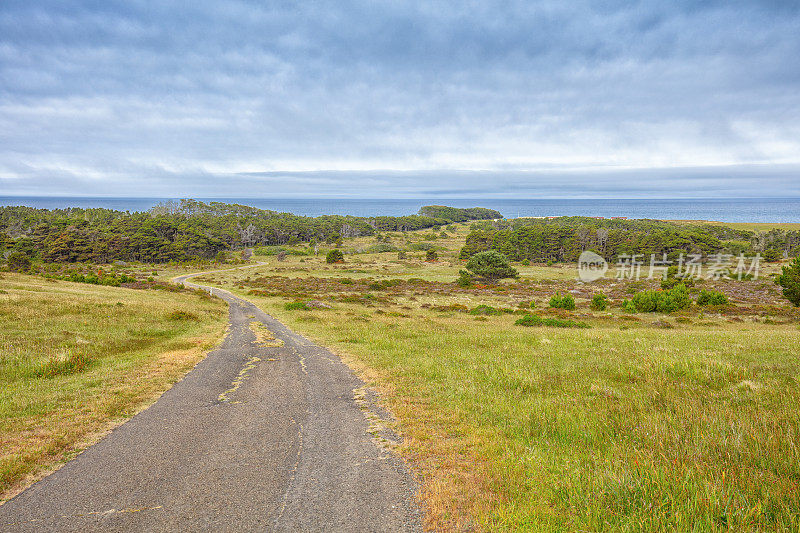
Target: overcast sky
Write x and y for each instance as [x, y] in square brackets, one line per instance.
[400, 99]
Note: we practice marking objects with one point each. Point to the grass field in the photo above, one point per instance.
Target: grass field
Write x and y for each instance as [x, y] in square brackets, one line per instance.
[76, 359]
[653, 422]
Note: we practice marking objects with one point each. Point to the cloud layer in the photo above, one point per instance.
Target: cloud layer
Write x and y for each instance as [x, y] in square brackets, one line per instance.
[375, 99]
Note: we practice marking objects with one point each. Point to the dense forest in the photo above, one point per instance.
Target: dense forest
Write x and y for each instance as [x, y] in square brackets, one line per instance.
[459, 214]
[189, 229]
[564, 238]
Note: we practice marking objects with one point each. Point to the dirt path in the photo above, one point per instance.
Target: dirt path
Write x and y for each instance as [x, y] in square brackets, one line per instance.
[258, 437]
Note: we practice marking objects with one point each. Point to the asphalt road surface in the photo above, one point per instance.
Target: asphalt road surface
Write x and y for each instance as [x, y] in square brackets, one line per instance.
[254, 438]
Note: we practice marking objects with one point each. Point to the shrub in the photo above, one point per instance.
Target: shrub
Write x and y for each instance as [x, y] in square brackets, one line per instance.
[711, 297]
[789, 280]
[18, 262]
[464, 279]
[534, 320]
[661, 301]
[401, 255]
[772, 255]
[431, 256]
[562, 302]
[293, 306]
[491, 265]
[672, 280]
[526, 262]
[381, 248]
[484, 309]
[222, 257]
[334, 256]
[599, 302]
[422, 246]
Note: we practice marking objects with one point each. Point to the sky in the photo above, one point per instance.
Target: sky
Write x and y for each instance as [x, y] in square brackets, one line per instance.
[549, 99]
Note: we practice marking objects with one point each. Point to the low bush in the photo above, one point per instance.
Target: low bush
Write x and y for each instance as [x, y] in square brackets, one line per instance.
[789, 280]
[534, 320]
[431, 256]
[294, 306]
[381, 248]
[491, 265]
[464, 278]
[334, 256]
[711, 297]
[599, 302]
[383, 284]
[18, 262]
[661, 301]
[422, 246]
[486, 310]
[562, 302]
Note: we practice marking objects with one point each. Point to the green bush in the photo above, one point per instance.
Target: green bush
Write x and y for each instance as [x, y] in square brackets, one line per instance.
[18, 262]
[334, 256]
[599, 302]
[526, 262]
[294, 306]
[672, 280]
[772, 255]
[562, 302]
[485, 310]
[464, 279]
[711, 297]
[381, 248]
[661, 301]
[422, 246]
[534, 320]
[431, 256]
[491, 265]
[789, 280]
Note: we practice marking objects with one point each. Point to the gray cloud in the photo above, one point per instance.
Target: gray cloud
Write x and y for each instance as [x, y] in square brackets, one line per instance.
[453, 98]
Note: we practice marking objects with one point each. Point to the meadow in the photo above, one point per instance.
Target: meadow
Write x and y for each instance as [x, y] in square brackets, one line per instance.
[77, 359]
[642, 421]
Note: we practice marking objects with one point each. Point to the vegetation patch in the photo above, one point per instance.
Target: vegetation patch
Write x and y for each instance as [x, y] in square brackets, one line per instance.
[660, 301]
[711, 297]
[182, 315]
[264, 337]
[535, 320]
[562, 302]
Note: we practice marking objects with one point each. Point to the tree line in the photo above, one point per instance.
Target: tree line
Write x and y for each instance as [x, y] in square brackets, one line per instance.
[564, 238]
[184, 230]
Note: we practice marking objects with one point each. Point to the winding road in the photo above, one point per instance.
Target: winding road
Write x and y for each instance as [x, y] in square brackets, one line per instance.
[254, 438]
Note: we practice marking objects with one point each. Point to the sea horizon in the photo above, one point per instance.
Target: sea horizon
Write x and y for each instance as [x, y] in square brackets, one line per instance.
[764, 209]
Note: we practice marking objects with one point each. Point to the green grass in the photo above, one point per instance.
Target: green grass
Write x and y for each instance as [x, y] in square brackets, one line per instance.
[77, 358]
[601, 429]
[650, 422]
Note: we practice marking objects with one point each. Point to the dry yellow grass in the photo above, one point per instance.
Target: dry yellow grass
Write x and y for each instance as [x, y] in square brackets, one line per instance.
[77, 359]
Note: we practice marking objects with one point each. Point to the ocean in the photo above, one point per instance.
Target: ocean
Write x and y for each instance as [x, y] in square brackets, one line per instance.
[720, 209]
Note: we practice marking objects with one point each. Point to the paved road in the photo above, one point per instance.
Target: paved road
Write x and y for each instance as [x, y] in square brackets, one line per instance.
[253, 439]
